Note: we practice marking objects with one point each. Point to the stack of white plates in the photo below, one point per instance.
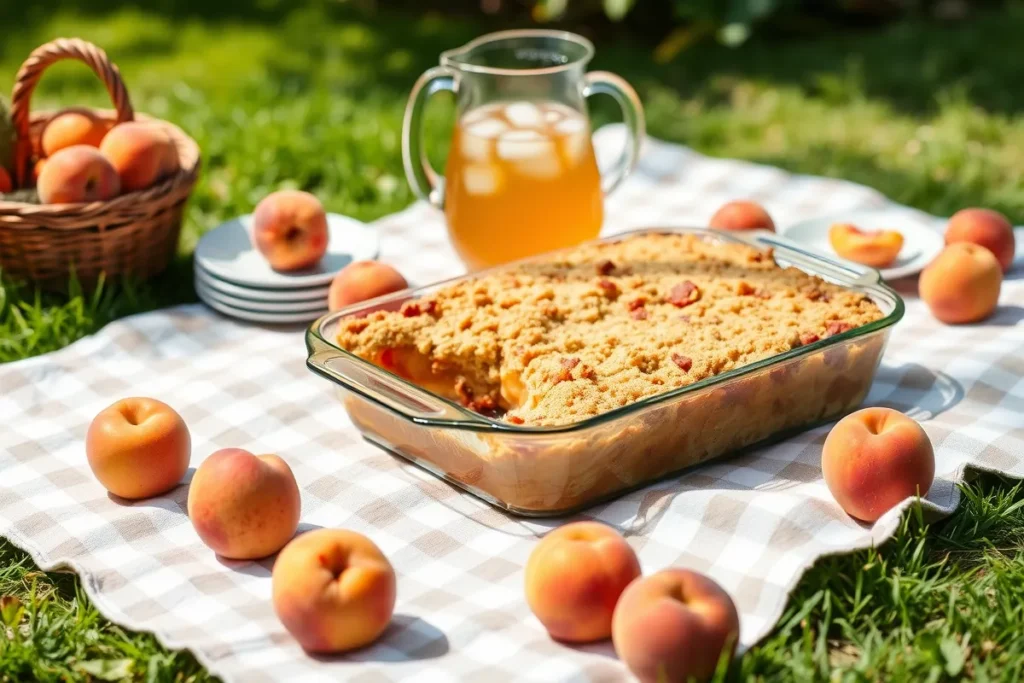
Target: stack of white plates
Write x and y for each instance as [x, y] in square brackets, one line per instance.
[233, 278]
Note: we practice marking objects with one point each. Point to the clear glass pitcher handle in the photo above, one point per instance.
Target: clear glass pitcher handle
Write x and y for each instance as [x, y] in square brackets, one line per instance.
[424, 180]
[605, 83]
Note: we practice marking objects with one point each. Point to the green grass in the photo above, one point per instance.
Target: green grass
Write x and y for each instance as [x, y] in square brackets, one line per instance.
[313, 98]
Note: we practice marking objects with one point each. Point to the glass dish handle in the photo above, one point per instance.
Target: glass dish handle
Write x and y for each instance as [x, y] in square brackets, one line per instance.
[383, 388]
[849, 272]
[605, 83]
[426, 183]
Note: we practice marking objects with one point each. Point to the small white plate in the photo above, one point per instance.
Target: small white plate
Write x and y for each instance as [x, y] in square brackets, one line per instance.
[257, 295]
[227, 252]
[261, 317]
[206, 294]
[922, 236]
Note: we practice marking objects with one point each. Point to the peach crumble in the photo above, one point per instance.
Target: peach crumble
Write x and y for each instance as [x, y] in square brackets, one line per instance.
[603, 325]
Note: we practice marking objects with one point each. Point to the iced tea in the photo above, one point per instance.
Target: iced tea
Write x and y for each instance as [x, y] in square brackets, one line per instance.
[521, 180]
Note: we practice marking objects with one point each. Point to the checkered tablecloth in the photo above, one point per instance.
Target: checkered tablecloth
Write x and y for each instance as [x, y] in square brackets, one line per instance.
[754, 523]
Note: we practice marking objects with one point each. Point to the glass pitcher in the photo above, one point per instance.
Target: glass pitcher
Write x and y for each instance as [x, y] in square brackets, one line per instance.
[521, 177]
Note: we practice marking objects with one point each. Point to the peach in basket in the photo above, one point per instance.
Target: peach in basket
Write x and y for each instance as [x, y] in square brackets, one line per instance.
[73, 126]
[875, 248]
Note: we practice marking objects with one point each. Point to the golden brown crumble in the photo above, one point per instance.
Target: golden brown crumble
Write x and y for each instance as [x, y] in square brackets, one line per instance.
[603, 325]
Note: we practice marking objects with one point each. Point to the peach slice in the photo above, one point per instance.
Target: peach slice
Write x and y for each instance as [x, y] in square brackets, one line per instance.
[875, 248]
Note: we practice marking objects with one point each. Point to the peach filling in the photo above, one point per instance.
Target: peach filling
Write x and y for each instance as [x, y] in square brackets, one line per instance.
[451, 382]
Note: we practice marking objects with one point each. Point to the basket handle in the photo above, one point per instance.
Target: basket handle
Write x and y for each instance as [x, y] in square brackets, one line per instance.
[29, 75]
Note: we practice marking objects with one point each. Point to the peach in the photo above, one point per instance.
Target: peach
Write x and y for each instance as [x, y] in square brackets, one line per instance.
[244, 506]
[574, 578]
[363, 280]
[71, 127]
[77, 174]
[37, 170]
[742, 215]
[962, 284]
[333, 590]
[138, 447]
[5, 181]
[875, 458]
[875, 248]
[986, 228]
[290, 229]
[674, 626]
[142, 152]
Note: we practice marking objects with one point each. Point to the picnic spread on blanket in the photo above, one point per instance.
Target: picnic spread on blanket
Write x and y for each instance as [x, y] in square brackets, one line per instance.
[356, 459]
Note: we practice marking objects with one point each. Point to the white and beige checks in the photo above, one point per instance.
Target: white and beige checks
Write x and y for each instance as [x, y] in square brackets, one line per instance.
[754, 522]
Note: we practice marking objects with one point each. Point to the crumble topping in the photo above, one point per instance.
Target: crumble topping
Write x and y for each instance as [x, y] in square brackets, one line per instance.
[603, 325]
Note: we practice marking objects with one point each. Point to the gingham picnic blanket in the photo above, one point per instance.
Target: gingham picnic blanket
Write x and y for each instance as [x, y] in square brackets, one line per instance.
[754, 523]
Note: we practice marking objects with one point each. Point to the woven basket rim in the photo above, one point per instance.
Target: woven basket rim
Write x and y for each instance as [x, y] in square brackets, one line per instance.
[186, 176]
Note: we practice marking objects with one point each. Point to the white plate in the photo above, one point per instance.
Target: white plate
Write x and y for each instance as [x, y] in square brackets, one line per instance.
[257, 295]
[207, 294]
[922, 236]
[227, 252]
[257, 317]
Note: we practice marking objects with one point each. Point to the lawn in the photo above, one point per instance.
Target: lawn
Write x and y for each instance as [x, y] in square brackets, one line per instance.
[313, 98]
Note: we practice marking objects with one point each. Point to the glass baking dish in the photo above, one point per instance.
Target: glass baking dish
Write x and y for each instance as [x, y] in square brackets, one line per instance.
[551, 471]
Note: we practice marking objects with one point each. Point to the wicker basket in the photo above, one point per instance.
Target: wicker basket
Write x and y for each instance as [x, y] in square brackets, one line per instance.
[134, 234]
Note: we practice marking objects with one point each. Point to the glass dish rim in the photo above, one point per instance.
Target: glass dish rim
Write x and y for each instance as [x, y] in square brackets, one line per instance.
[474, 421]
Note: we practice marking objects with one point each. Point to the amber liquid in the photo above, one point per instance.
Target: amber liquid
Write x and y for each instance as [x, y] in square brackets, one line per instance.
[521, 180]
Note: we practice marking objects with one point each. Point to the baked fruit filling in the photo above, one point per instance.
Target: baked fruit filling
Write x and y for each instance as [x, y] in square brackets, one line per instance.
[443, 379]
[602, 326]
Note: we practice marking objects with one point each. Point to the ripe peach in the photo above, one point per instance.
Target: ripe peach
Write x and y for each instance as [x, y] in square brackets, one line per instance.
[333, 590]
[244, 506]
[37, 170]
[77, 174]
[875, 248]
[363, 280]
[674, 626]
[574, 578]
[290, 229]
[875, 458]
[742, 215]
[986, 228]
[962, 284]
[138, 447]
[142, 152]
[71, 127]
[5, 181]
